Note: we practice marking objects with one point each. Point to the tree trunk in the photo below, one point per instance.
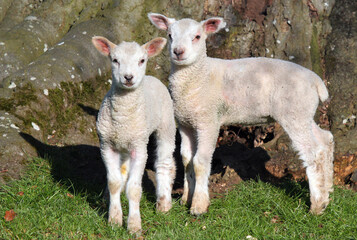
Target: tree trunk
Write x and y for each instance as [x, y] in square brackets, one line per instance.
[341, 68]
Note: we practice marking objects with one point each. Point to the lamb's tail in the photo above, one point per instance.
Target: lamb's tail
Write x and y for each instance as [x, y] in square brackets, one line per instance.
[321, 90]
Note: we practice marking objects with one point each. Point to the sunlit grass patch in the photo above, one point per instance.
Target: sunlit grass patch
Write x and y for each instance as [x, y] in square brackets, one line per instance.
[47, 209]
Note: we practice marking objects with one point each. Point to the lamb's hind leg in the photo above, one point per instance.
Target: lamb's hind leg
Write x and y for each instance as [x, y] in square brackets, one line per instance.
[318, 161]
[188, 148]
[165, 169]
[319, 193]
[325, 138]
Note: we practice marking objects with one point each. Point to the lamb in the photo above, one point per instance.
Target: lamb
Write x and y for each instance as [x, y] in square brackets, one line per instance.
[210, 92]
[135, 107]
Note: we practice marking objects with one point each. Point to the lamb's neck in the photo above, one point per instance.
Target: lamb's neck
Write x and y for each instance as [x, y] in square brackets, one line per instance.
[188, 82]
[126, 98]
[184, 73]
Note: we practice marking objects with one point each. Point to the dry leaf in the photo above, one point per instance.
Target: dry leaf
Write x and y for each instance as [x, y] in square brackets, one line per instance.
[10, 215]
[69, 195]
[275, 219]
[20, 193]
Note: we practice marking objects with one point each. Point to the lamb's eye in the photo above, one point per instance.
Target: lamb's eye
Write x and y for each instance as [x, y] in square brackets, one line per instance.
[116, 61]
[196, 38]
[170, 36]
[141, 61]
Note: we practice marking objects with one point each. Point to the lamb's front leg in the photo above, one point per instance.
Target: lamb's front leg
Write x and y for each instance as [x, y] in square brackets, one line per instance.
[134, 188]
[111, 159]
[188, 149]
[207, 139]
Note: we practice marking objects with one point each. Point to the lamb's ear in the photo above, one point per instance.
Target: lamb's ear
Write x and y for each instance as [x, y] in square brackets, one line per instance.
[160, 21]
[103, 45]
[154, 46]
[213, 25]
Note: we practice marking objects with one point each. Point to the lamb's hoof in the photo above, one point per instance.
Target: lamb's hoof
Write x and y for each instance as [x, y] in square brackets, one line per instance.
[318, 207]
[317, 210]
[200, 207]
[134, 225]
[116, 220]
[196, 211]
[136, 231]
[200, 204]
[163, 205]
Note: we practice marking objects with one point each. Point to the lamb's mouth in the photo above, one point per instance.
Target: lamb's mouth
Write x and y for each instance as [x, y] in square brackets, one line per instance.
[179, 61]
[127, 84]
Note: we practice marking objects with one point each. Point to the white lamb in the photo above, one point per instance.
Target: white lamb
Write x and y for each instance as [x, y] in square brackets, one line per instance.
[210, 92]
[135, 107]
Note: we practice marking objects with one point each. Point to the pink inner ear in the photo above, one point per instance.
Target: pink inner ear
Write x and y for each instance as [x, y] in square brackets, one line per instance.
[104, 47]
[211, 26]
[160, 22]
[151, 49]
[162, 25]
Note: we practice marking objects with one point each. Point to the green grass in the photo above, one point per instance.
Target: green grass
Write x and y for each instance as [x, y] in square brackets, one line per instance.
[48, 209]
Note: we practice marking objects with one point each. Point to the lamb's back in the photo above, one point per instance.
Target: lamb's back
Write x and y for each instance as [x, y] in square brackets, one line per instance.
[265, 85]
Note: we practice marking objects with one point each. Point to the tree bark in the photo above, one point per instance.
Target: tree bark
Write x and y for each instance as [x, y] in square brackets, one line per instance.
[341, 65]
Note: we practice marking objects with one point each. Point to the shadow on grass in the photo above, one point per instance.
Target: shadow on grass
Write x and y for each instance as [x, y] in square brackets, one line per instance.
[81, 169]
[89, 110]
[78, 167]
[295, 190]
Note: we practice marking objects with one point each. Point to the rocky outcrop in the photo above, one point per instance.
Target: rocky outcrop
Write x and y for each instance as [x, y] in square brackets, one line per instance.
[40, 30]
[52, 80]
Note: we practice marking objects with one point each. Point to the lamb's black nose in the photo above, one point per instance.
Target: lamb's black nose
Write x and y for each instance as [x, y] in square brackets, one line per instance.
[128, 77]
[178, 52]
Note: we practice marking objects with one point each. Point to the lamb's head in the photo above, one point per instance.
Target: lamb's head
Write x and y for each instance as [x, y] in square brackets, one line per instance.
[128, 59]
[186, 36]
